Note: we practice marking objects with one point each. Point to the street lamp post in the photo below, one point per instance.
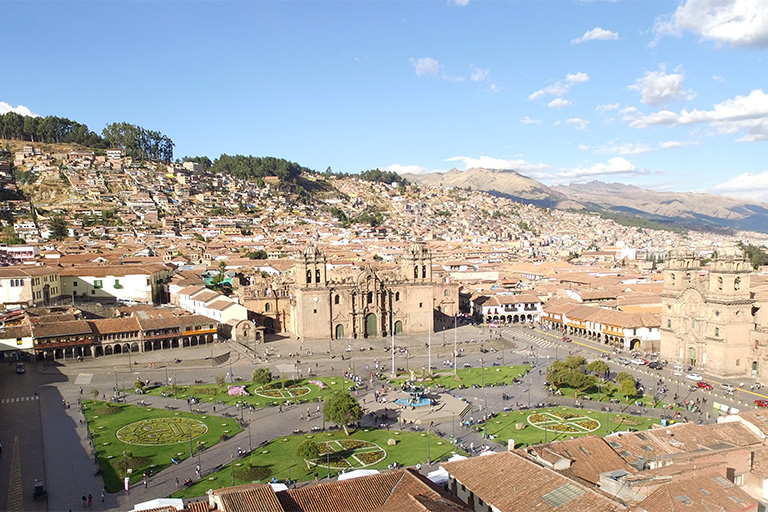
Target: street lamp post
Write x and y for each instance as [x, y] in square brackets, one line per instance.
[455, 344]
[232, 463]
[250, 446]
[115, 380]
[429, 458]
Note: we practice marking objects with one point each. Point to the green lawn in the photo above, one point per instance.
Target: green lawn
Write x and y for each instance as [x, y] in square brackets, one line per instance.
[468, 377]
[608, 392]
[296, 391]
[278, 458]
[135, 449]
[570, 423]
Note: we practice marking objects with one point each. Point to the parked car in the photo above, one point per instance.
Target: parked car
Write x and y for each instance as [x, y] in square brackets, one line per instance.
[623, 360]
[126, 301]
[727, 388]
[655, 365]
[639, 361]
[761, 403]
[20, 368]
[693, 376]
[703, 385]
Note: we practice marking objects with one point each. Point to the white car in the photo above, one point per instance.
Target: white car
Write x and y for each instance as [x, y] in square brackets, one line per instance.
[639, 361]
[694, 376]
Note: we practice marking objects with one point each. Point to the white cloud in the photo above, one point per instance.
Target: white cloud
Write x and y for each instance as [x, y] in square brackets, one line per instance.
[20, 109]
[530, 120]
[748, 114]
[616, 165]
[658, 87]
[674, 144]
[747, 185]
[612, 148]
[718, 78]
[461, 2]
[577, 123]
[487, 162]
[558, 103]
[605, 108]
[577, 78]
[562, 87]
[426, 66]
[478, 75]
[406, 169]
[733, 22]
[597, 34]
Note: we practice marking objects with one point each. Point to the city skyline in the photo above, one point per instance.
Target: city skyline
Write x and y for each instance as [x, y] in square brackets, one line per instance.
[662, 95]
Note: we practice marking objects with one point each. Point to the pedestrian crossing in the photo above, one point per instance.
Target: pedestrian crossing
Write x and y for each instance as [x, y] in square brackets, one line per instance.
[19, 399]
[523, 339]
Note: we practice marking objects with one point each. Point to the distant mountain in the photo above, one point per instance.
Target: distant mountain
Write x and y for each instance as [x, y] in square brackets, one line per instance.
[681, 209]
[503, 183]
[689, 209]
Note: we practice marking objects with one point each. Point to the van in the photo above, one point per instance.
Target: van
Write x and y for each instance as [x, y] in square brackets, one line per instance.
[20, 368]
[126, 302]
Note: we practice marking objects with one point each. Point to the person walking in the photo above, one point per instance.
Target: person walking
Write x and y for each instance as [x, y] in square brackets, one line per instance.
[85, 500]
[103, 494]
[1, 448]
[90, 500]
[177, 482]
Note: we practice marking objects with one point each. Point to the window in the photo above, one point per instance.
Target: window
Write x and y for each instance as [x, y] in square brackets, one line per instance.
[421, 304]
[717, 332]
[314, 311]
[267, 307]
[720, 283]
[97, 283]
[445, 293]
[74, 284]
[669, 324]
[317, 275]
[424, 271]
[397, 296]
[369, 298]
[737, 283]
[309, 276]
[415, 272]
[336, 299]
[117, 284]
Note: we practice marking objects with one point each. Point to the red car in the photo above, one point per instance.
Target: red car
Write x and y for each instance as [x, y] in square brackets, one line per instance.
[704, 385]
[761, 403]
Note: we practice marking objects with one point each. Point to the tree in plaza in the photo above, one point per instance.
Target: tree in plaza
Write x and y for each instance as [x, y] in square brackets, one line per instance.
[95, 393]
[139, 384]
[307, 450]
[58, 228]
[574, 362]
[628, 388]
[262, 376]
[622, 376]
[598, 367]
[342, 408]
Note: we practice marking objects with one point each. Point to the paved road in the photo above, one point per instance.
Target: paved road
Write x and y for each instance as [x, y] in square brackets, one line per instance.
[21, 428]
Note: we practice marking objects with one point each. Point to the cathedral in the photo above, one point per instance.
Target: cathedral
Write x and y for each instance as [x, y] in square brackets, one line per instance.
[369, 303]
[714, 318]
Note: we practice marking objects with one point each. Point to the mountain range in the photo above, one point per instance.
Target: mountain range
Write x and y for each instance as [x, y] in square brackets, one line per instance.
[688, 210]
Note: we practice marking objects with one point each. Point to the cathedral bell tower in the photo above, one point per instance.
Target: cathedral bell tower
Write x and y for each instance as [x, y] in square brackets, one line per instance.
[416, 264]
[310, 268]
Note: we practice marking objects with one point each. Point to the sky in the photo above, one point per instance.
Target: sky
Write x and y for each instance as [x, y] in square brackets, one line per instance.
[664, 95]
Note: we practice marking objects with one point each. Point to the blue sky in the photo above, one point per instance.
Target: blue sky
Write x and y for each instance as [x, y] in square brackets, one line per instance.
[660, 94]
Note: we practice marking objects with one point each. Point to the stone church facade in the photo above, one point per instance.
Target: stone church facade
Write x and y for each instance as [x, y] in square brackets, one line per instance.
[369, 303]
[713, 318]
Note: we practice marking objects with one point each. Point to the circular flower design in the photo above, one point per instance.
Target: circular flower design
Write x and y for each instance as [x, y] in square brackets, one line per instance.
[161, 431]
[563, 422]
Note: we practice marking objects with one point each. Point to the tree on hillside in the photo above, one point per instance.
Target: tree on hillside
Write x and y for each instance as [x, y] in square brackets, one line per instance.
[307, 450]
[58, 228]
[342, 408]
